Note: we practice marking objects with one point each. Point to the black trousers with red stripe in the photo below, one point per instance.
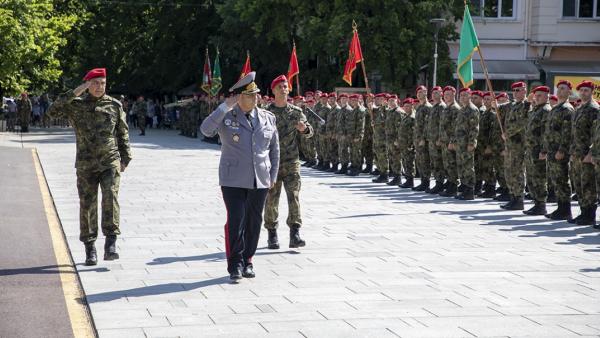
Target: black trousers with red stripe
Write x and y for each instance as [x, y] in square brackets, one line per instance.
[244, 218]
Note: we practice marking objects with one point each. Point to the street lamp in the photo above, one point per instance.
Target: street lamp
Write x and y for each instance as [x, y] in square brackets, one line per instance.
[438, 23]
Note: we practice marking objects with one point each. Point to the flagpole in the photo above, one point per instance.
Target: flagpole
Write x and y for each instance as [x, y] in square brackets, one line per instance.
[369, 108]
[489, 85]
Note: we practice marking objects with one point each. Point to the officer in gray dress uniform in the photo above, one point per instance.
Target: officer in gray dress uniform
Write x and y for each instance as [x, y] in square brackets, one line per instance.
[248, 168]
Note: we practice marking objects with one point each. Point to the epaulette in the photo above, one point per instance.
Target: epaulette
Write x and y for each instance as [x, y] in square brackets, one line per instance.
[295, 107]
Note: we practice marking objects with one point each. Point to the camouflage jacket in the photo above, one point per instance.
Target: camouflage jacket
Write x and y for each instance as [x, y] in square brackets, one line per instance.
[357, 123]
[534, 133]
[368, 124]
[487, 119]
[467, 126]
[289, 137]
[140, 109]
[331, 124]
[582, 129]
[24, 108]
[379, 117]
[393, 118]
[557, 132]
[323, 111]
[515, 119]
[433, 121]
[100, 128]
[421, 118]
[342, 122]
[594, 109]
[448, 123]
[406, 131]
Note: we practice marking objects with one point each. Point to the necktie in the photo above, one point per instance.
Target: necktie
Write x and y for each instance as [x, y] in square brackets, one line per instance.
[249, 120]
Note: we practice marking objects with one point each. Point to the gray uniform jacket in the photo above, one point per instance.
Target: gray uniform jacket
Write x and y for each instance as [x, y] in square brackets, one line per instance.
[247, 153]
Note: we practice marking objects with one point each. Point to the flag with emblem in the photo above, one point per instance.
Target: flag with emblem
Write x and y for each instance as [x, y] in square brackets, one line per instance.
[469, 44]
[216, 77]
[354, 57]
[206, 75]
[247, 69]
[293, 68]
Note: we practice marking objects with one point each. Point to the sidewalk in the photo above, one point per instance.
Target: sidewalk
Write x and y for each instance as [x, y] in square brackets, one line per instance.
[379, 261]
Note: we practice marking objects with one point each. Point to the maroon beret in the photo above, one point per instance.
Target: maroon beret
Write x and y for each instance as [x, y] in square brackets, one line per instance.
[541, 89]
[277, 80]
[565, 82]
[94, 73]
[447, 88]
[519, 84]
[421, 87]
[586, 84]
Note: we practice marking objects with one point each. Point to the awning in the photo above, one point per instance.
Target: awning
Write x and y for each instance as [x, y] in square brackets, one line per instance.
[506, 70]
[571, 67]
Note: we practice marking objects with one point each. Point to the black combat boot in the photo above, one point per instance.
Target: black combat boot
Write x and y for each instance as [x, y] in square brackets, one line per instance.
[551, 196]
[477, 189]
[334, 167]
[423, 186]
[375, 172]
[589, 216]
[539, 208]
[467, 194]
[461, 187]
[295, 240]
[437, 188]
[273, 241]
[353, 171]
[317, 165]
[409, 183]
[510, 203]
[383, 178]
[248, 271]
[367, 169]
[91, 258]
[489, 191]
[504, 195]
[395, 180]
[518, 204]
[563, 212]
[343, 169]
[576, 219]
[450, 190]
[110, 248]
[575, 198]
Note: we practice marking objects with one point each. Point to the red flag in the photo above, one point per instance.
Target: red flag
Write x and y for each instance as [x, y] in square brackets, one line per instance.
[206, 75]
[354, 57]
[246, 68]
[293, 69]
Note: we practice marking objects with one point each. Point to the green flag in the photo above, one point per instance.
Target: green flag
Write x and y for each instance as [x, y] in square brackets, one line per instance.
[468, 45]
[216, 77]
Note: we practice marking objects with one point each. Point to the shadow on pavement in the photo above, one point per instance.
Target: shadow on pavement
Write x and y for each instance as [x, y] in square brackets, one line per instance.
[42, 270]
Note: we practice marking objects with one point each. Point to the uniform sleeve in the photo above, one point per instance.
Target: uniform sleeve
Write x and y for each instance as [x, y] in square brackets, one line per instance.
[309, 131]
[210, 126]
[520, 120]
[473, 127]
[360, 125]
[566, 136]
[62, 107]
[122, 133]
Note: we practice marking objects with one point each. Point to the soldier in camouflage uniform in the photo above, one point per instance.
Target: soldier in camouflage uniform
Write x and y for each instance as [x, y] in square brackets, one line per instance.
[291, 126]
[367, 143]
[465, 142]
[421, 142]
[356, 133]
[515, 120]
[485, 147]
[330, 127]
[392, 125]
[435, 149]
[139, 109]
[406, 142]
[557, 140]
[477, 100]
[379, 138]
[584, 127]
[322, 108]
[535, 159]
[24, 109]
[446, 135]
[102, 154]
[341, 132]
[499, 151]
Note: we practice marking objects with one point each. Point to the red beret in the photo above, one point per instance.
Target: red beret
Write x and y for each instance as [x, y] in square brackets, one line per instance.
[310, 101]
[309, 93]
[355, 96]
[421, 87]
[487, 94]
[318, 92]
[298, 97]
[332, 94]
[280, 78]
[565, 82]
[503, 94]
[408, 100]
[393, 96]
[370, 95]
[323, 96]
[436, 88]
[94, 73]
[462, 90]
[343, 95]
[554, 97]
[586, 84]
[447, 88]
[541, 89]
[519, 84]
[381, 95]
[478, 93]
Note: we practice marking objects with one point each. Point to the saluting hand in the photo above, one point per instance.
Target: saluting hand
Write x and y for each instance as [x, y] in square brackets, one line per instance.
[231, 101]
[81, 88]
[301, 126]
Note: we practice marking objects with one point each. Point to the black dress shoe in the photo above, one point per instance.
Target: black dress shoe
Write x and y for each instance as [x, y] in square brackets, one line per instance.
[91, 257]
[273, 241]
[248, 271]
[236, 274]
[110, 248]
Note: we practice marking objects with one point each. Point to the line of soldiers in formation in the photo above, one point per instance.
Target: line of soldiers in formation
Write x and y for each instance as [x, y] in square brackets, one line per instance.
[479, 146]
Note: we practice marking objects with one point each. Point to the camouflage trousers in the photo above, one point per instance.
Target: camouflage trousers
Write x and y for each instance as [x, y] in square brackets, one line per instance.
[437, 161]
[536, 177]
[465, 165]
[407, 161]
[423, 160]
[307, 146]
[289, 178]
[332, 149]
[343, 151]
[322, 152]
[449, 158]
[356, 154]
[367, 147]
[514, 168]
[88, 181]
[584, 182]
[558, 174]
[484, 167]
[498, 163]
[141, 120]
[396, 158]
[381, 156]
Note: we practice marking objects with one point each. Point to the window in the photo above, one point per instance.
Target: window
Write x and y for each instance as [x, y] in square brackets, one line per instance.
[493, 8]
[581, 9]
